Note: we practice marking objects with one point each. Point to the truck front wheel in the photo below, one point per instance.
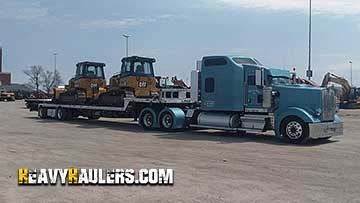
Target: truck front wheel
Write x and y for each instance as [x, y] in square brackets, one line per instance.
[295, 130]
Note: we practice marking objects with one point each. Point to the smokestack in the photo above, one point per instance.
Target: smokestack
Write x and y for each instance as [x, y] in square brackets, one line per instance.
[0, 59]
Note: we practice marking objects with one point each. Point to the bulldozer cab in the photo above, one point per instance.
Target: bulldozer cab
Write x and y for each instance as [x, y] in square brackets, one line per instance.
[137, 75]
[90, 70]
[87, 85]
[137, 66]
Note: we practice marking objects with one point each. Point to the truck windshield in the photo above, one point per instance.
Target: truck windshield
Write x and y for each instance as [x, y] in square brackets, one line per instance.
[279, 80]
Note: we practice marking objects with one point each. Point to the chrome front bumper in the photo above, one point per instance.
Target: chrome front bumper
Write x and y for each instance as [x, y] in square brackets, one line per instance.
[325, 130]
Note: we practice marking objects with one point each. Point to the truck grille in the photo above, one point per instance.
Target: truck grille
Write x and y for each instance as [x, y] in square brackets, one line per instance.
[328, 105]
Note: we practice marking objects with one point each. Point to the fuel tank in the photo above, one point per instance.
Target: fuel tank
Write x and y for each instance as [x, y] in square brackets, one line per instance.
[225, 120]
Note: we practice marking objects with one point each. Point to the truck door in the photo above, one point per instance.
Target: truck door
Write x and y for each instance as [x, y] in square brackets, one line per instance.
[253, 87]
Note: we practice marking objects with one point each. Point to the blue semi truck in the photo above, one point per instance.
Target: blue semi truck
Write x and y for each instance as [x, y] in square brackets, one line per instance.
[232, 93]
[239, 93]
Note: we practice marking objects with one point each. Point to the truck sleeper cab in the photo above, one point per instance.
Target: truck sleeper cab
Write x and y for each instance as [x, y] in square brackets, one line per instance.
[239, 93]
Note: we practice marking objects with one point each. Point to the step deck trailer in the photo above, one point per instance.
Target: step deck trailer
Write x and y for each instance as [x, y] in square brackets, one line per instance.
[167, 114]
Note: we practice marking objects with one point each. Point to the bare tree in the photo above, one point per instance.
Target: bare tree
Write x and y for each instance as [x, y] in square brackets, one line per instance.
[34, 73]
[50, 80]
[47, 78]
[57, 79]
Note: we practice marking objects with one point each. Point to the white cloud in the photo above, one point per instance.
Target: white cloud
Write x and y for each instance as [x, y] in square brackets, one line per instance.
[126, 22]
[330, 7]
[117, 23]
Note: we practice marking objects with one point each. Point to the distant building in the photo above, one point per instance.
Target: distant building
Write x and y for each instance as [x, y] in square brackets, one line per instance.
[5, 78]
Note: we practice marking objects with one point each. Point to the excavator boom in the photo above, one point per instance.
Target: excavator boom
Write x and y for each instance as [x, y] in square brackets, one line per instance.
[346, 87]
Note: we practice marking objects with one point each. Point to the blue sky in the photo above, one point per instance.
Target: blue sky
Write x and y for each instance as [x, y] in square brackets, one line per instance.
[179, 32]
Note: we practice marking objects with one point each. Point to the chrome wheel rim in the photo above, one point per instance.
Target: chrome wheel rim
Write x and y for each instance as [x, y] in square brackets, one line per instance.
[59, 114]
[40, 112]
[148, 119]
[294, 130]
[167, 121]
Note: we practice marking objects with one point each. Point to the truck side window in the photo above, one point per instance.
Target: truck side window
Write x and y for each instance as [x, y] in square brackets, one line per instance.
[209, 85]
[251, 80]
[215, 62]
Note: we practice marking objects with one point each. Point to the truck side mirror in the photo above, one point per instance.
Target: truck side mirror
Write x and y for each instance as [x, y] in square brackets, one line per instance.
[259, 78]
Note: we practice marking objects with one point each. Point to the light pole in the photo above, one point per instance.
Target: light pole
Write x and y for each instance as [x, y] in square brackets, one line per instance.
[55, 54]
[127, 44]
[351, 73]
[309, 72]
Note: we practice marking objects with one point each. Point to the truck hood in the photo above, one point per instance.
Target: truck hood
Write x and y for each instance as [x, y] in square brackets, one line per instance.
[300, 96]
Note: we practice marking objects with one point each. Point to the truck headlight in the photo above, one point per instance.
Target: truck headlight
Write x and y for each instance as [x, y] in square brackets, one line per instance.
[318, 112]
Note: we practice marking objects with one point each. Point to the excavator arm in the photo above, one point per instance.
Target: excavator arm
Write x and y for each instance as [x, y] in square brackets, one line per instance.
[346, 87]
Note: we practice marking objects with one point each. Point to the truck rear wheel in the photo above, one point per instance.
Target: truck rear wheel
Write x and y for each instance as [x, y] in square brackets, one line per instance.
[295, 130]
[147, 120]
[166, 121]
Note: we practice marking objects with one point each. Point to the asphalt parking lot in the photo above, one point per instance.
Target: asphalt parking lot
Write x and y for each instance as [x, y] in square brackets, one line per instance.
[210, 166]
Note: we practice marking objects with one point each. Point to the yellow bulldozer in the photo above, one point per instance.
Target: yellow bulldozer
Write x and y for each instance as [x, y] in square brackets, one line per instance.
[136, 79]
[85, 88]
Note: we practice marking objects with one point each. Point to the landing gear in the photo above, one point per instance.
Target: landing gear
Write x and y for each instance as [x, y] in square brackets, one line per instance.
[42, 112]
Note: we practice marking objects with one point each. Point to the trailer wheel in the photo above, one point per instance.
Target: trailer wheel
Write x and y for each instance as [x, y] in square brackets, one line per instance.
[61, 114]
[147, 120]
[166, 121]
[42, 112]
[295, 130]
